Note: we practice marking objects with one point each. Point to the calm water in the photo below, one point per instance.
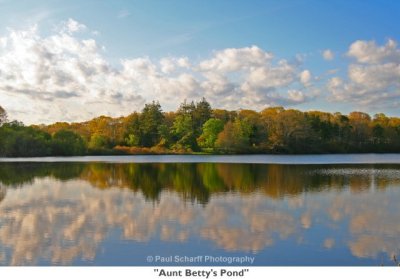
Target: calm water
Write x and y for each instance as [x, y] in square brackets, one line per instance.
[102, 213]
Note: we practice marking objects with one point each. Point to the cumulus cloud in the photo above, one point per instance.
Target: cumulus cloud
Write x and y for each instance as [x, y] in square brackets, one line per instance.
[233, 59]
[328, 54]
[59, 75]
[305, 77]
[369, 52]
[169, 65]
[373, 77]
[64, 77]
[73, 26]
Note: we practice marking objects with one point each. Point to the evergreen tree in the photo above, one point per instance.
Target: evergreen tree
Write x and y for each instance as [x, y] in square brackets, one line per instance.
[150, 120]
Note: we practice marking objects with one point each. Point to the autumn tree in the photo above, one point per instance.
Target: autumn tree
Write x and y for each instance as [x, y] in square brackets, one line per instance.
[360, 124]
[98, 141]
[224, 115]
[258, 134]
[269, 118]
[288, 130]
[196, 125]
[235, 136]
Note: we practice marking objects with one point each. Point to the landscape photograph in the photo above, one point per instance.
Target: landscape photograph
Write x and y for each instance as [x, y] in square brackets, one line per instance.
[200, 133]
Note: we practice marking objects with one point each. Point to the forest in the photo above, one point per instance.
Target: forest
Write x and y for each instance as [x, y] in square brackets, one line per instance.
[196, 128]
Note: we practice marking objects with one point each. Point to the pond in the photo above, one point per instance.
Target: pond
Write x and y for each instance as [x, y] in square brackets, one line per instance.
[146, 210]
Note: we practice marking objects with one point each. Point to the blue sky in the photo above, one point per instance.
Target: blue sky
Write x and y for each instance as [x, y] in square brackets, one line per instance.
[238, 54]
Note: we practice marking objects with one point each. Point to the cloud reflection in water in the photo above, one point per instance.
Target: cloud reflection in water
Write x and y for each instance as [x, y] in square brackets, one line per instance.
[63, 220]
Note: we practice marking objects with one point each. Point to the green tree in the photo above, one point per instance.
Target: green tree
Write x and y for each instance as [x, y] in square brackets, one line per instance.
[132, 140]
[3, 116]
[68, 143]
[182, 131]
[341, 136]
[16, 140]
[98, 141]
[186, 108]
[150, 120]
[133, 133]
[201, 113]
[165, 136]
[211, 129]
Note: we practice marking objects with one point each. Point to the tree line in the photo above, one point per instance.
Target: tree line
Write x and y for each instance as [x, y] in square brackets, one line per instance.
[196, 127]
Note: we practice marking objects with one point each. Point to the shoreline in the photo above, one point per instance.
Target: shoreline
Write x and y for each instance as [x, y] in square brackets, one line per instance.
[286, 159]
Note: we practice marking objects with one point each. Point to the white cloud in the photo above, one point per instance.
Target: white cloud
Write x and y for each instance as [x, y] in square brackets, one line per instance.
[167, 65]
[72, 26]
[139, 66]
[369, 52]
[305, 77]
[275, 85]
[328, 54]
[183, 62]
[271, 77]
[59, 75]
[171, 64]
[66, 78]
[373, 78]
[234, 59]
[296, 96]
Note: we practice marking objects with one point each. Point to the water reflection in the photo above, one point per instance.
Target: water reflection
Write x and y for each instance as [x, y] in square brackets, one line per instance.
[65, 212]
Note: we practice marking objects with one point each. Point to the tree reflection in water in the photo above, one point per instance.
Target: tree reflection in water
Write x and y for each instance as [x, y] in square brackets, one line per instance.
[62, 212]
